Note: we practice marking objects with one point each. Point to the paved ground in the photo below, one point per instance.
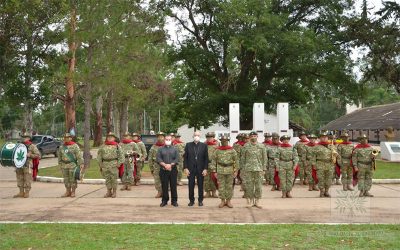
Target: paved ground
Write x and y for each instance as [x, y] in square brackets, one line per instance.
[139, 205]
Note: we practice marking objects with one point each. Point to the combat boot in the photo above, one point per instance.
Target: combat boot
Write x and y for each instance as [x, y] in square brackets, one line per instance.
[222, 204]
[67, 193]
[338, 182]
[273, 188]
[26, 193]
[158, 195]
[288, 195]
[301, 182]
[114, 193]
[344, 187]
[207, 195]
[283, 194]
[128, 187]
[326, 194]
[73, 192]
[124, 187]
[305, 182]
[20, 194]
[229, 204]
[310, 187]
[214, 194]
[249, 202]
[367, 194]
[315, 187]
[361, 193]
[350, 188]
[257, 203]
[137, 182]
[321, 193]
[108, 194]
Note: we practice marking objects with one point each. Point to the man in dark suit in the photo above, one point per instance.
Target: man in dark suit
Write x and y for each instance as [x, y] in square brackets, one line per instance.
[195, 164]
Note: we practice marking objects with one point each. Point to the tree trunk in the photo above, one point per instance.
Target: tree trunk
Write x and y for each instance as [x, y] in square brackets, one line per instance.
[116, 116]
[98, 127]
[69, 105]
[110, 118]
[123, 117]
[28, 120]
[88, 107]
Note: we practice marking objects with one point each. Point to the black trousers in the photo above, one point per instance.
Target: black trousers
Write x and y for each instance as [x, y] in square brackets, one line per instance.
[169, 178]
[200, 180]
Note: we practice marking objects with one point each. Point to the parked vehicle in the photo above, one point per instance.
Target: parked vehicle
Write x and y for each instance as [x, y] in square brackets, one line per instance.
[46, 144]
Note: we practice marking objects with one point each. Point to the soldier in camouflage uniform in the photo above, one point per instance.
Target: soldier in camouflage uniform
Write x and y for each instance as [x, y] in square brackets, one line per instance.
[154, 166]
[130, 150]
[69, 157]
[267, 143]
[141, 159]
[363, 161]
[312, 186]
[286, 160]
[254, 162]
[110, 157]
[345, 149]
[225, 163]
[271, 154]
[335, 174]
[322, 161]
[180, 145]
[24, 174]
[210, 188]
[238, 146]
[300, 147]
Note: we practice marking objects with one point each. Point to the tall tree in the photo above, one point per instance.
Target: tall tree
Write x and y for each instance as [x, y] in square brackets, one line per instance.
[255, 51]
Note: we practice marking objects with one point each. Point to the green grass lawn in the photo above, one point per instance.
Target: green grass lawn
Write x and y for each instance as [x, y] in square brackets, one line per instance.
[131, 236]
[92, 172]
[387, 170]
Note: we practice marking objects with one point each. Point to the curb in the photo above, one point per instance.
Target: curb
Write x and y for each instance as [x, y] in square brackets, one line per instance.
[184, 181]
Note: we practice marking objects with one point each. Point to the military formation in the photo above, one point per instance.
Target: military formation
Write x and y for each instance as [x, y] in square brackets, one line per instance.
[318, 162]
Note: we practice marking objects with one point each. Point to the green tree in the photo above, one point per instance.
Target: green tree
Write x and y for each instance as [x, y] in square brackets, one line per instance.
[256, 51]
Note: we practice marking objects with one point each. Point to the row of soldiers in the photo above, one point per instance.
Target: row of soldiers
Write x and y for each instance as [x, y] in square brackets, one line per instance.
[248, 161]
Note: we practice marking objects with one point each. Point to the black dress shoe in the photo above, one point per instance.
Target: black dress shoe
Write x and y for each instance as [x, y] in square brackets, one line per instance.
[200, 203]
[175, 204]
[191, 204]
[163, 204]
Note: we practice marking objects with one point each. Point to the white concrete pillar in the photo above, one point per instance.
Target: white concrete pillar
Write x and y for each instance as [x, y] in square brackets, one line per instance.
[282, 112]
[258, 119]
[234, 121]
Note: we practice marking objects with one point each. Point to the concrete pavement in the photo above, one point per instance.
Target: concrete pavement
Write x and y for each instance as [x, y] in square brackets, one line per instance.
[139, 205]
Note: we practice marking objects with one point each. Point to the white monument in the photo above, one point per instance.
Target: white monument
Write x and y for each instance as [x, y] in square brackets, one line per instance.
[390, 151]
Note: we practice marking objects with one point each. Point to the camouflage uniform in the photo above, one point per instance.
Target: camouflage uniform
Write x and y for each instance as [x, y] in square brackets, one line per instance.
[110, 157]
[322, 160]
[209, 185]
[238, 148]
[309, 152]
[140, 161]
[271, 153]
[268, 143]
[225, 164]
[345, 151]
[181, 150]
[133, 149]
[362, 159]
[155, 168]
[69, 157]
[24, 174]
[300, 148]
[254, 162]
[286, 159]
